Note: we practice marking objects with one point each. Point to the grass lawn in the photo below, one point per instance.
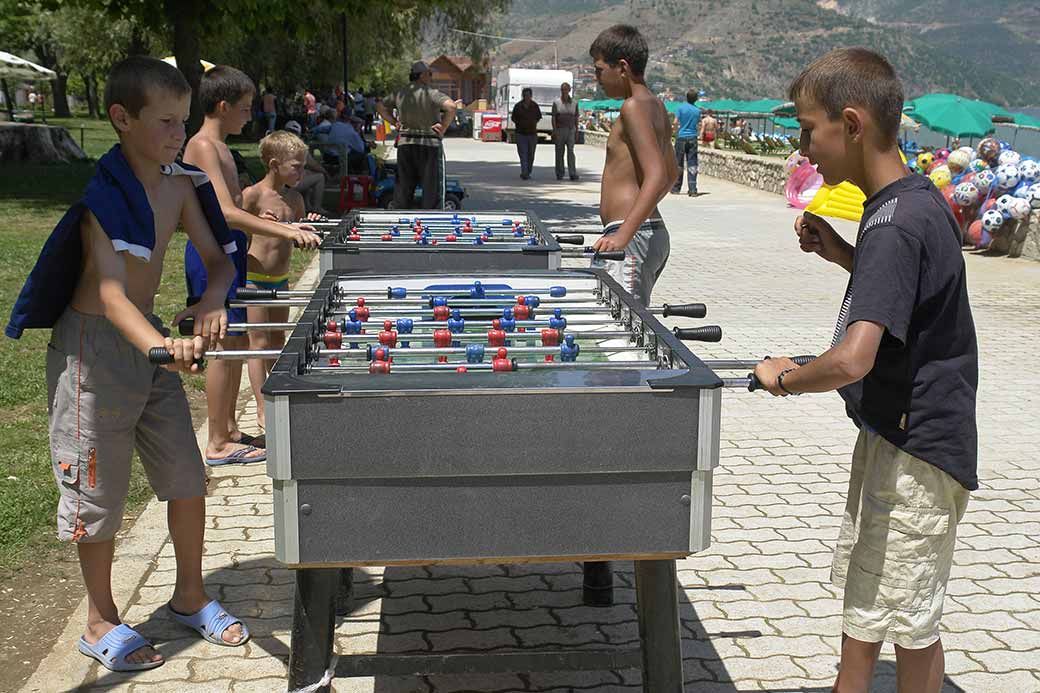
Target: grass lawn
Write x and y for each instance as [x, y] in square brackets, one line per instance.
[32, 200]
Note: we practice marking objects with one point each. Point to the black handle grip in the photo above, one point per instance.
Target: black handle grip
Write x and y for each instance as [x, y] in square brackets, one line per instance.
[160, 356]
[708, 333]
[802, 360]
[685, 310]
[576, 239]
[753, 383]
[247, 293]
[186, 327]
[618, 255]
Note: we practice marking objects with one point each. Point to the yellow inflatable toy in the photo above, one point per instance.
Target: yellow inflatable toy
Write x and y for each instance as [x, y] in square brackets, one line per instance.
[844, 200]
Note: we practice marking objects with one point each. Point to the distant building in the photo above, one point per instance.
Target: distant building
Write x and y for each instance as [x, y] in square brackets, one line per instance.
[460, 78]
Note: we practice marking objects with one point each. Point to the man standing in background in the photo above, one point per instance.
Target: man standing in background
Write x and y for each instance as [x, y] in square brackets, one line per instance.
[423, 116]
[687, 120]
[565, 125]
[526, 115]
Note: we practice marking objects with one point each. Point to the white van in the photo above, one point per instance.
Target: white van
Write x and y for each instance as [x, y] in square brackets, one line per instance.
[545, 85]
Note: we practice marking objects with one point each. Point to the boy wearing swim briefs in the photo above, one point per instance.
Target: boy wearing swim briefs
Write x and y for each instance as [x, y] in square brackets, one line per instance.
[905, 360]
[226, 96]
[639, 171]
[267, 264]
[95, 283]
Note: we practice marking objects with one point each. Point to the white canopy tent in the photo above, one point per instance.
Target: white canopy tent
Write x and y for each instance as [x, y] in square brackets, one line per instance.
[13, 67]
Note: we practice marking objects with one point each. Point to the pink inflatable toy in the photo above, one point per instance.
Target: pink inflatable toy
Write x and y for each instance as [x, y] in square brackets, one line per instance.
[803, 183]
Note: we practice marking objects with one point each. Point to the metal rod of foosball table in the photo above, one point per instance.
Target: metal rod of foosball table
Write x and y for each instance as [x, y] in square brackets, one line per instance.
[367, 354]
[478, 290]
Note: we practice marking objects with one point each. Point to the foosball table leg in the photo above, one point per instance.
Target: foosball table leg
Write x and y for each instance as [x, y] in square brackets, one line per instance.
[597, 587]
[314, 622]
[658, 608]
[345, 593]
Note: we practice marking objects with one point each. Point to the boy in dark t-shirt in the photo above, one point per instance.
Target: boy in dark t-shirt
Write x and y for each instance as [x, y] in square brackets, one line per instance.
[904, 359]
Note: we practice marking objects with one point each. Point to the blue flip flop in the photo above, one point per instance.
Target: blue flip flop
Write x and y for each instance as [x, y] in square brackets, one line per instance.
[238, 457]
[112, 649]
[211, 621]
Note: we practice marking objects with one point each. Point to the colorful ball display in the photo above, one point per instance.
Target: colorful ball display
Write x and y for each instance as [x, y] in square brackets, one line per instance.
[1029, 170]
[985, 180]
[958, 161]
[1007, 176]
[992, 220]
[940, 176]
[974, 235]
[989, 150]
[966, 194]
[924, 160]
[942, 153]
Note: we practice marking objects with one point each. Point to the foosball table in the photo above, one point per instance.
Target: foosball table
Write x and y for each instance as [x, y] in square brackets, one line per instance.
[430, 240]
[533, 400]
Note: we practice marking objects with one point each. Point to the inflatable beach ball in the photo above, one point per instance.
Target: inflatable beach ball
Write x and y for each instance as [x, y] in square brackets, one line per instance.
[974, 235]
[970, 151]
[941, 177]
[942, 153]
[1007, 176]
[985, 180]
[992, 220]
[966, 194]
[989, 150]
[793, 162]
[1009, 157]
[1029, 170]
[1004, 145]
[958, 161]
[924, 160]
[1020, 208]
[977, 165]
[1004, 204]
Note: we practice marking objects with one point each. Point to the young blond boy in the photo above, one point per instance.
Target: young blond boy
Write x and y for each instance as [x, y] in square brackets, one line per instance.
[95, 283]
[905, 360]
[226, 96]
[267, 264]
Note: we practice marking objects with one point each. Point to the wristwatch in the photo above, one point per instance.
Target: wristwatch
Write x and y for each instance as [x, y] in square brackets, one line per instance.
[780, 382]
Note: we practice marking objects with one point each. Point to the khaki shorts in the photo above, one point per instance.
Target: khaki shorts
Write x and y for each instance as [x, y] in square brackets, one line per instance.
[896, 544]
[105, 399]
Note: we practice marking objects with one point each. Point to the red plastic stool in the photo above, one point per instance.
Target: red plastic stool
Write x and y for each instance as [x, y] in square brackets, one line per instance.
[355, 191]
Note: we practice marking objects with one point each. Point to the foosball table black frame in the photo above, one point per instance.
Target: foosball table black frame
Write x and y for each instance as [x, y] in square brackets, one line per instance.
[670, 491]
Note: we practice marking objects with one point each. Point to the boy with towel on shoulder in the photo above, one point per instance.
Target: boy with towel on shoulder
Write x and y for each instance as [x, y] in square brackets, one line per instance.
[95, 284]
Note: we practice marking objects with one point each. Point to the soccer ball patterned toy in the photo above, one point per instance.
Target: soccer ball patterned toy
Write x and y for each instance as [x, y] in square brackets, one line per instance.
[1004, 204]
[940, 176]
[1009, 157]
[1007, 176]
[989, 150]
[1019, 208]
[992, 220]
[985, 180]
[966, 194]
[977, 165]
[1029, 170]
[924, 160]
[958, 161]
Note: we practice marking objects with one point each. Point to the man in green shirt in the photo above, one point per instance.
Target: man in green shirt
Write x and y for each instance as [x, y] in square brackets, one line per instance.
[423, 115]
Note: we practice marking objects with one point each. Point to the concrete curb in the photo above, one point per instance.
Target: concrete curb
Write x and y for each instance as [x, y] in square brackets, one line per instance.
[64, 668]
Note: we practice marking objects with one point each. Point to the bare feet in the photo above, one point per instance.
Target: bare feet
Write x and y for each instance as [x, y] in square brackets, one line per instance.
[232, 635]
[141, 655]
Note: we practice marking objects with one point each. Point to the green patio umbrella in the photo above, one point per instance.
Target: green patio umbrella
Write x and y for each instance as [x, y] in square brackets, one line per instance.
[954, 115]
[787, 123]
[1027, 120]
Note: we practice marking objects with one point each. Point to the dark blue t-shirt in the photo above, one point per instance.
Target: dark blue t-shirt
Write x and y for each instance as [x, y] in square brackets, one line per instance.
[908, 275]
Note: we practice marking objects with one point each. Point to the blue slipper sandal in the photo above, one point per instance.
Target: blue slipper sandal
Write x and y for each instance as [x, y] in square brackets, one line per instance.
[113, 649]
[238, 457]
[210, 622]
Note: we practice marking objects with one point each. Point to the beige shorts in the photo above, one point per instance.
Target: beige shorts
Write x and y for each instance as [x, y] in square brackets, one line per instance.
[896, 544]
[105, 400]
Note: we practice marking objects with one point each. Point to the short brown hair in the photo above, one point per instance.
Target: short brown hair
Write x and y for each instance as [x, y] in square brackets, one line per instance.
[692, 95]
[130, 80]
[621, 42]
[853, 77]
[282, 145]
[223, 83]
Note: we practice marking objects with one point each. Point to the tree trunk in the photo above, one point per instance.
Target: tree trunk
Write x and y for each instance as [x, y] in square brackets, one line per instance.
[138, 45]
[38, 144]
[185, 16]
[7, 99]
[93, 109]
[59, 96]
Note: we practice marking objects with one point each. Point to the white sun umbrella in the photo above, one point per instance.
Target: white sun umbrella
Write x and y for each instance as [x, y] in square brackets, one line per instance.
[13, 67]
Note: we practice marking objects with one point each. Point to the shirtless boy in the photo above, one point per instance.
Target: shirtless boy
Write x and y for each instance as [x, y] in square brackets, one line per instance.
[639, 171]
[267, 264]
[226, 95]
[640, 167]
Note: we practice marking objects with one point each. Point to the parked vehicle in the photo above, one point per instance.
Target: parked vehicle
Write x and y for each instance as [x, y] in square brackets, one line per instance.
[545, 88]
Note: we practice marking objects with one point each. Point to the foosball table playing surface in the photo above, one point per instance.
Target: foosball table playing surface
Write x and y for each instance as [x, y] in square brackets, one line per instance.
[430, 240]
[497, 414]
